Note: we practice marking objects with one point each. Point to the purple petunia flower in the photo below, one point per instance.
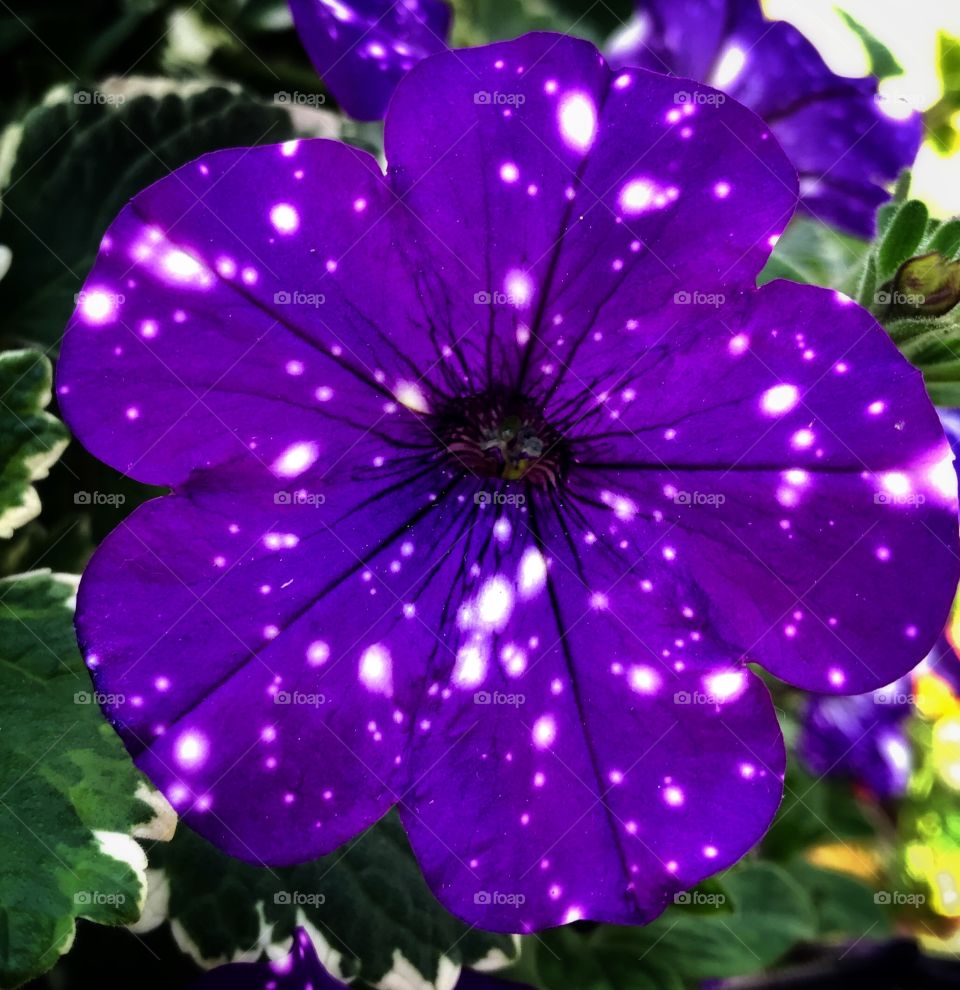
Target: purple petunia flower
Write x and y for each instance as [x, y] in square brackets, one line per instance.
[363, 48]
[489, 477]
[302, 970]
[862, 737]
[845, 142]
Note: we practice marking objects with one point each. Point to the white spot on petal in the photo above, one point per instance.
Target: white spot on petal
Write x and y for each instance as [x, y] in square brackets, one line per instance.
[544, 732]
[376, 670]
[725, 685]
[779, 400]
[532, 573]
[284, 218]
[729, 66]
[296, 459]
[411, 395]
[577, 117]
[191, 749]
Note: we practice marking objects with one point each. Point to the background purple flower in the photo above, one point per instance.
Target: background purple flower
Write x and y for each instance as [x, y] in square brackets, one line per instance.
[302, 970]
[846, 145]
[490, 476]
[862, 738]
[363, 48]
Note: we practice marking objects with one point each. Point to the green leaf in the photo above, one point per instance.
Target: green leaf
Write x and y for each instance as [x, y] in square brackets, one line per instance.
[368, 902]
[478, 22]
[771, 914]
[882, 62]
[812, 252]
[901, 189]
[814, 811]
[946, 239]
[779, 266]
[60, 41]
[944, 394]
[902, 238]
[908, 328]
[948, 64]
[867, 289]
[31, 440]
[566, 959]
[845, 906]
[708, 897]
[77, 164]
[71, 797]
[931, 344]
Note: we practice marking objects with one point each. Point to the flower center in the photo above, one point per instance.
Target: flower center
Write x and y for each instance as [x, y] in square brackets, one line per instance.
[502, 436]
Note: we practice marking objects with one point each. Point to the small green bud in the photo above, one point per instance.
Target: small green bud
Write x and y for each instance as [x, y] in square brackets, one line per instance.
[928, 284]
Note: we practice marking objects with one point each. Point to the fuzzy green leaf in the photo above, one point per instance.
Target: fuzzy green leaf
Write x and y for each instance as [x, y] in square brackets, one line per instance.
[367, 905]
[70, 797]
[31, 440]
[902, 238]
[771, 914]
[845, 906]
[882, 62]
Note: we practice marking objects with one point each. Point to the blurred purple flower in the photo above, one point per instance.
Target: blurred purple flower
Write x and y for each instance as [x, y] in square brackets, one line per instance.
[489, 477]
[846, 143]
[363, 48]
[861, 738]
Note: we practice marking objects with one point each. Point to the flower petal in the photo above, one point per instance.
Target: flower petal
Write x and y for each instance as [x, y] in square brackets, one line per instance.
[557, 197]
[606, 755]
[846, 143]
[795, 459]
[245, 329]
[363, 48]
